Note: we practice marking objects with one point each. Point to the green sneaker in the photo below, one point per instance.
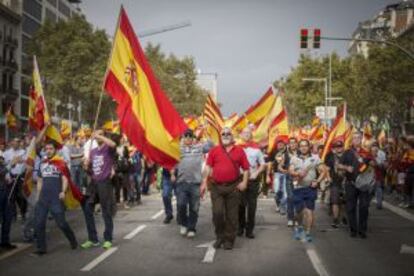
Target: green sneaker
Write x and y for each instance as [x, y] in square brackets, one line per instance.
[88, 244]
[107, 245]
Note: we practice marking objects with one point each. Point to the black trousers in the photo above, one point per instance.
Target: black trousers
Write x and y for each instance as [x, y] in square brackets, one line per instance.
[357, 206]
[248, 203]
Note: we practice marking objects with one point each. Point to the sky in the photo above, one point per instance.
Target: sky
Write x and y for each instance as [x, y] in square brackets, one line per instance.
[248, 43]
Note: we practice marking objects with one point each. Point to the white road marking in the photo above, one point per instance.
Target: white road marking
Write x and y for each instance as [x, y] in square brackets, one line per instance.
[99, 259]
[20, 247]
[210, 253]
[405, 249]
[157, 215]
[135, 232]
[160, 212]
[398, 211]
[316, 261]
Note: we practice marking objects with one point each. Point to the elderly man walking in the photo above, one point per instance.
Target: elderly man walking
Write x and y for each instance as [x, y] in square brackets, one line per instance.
[223, 167]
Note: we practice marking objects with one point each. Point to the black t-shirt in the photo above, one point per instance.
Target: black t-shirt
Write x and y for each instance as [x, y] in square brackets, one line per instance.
[330, 161]
[349, 158]
[51, 182]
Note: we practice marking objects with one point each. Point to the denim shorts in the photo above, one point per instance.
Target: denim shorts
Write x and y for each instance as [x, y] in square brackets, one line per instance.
[304, 198]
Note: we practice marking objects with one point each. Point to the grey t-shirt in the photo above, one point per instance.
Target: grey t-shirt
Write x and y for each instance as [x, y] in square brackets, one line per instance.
[309, 164]
[190, 166]
[76, 150]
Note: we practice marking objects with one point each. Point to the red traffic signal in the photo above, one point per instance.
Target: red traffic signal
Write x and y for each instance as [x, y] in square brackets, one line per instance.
[304, 38]
[317, 38]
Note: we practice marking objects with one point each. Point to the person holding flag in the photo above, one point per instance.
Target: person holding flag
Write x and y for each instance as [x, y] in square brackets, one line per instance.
[100, 164]
[52, 185]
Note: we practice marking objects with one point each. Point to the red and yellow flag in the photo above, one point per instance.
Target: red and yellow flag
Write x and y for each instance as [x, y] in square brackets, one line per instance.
[11, 120]
[65, 128]
[73, 196]
[38, 114]
[146, 116]
[214, 120]
[256, 112]
[112, 126]
[338, 131]
[28, 178]
[261, 133]
[279, 130]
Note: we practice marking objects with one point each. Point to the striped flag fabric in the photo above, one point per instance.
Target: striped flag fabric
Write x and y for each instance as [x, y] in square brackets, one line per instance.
[38, 114]
[30, 160]
[146, 116]
[256, 112]
[11, 120]
[279, 130]
[214, 120]
[337, 132]
[262, 131]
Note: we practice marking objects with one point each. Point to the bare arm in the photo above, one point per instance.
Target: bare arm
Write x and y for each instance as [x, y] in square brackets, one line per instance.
[64, 187]
[105, 140]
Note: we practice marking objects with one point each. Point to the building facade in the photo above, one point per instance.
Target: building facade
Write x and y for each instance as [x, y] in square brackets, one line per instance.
[23, 18]
[389, 23]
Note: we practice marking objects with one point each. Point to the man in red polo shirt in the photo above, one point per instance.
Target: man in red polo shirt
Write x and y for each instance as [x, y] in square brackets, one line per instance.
[225, 164]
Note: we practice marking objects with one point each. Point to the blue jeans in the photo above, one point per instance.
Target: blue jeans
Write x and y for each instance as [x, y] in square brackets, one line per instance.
[57, 210]
[167, 189]
[7, 212]
[76, 173]
[137, 181]
[279, 187]
[290, 204]
[188, 195]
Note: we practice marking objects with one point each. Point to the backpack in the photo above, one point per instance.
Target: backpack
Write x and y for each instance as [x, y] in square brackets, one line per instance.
[365, 181]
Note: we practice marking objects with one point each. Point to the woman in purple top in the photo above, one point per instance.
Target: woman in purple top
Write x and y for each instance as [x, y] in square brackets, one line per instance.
[100, 166]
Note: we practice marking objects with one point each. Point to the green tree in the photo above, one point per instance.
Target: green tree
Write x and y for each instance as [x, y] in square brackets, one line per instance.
[72, 57]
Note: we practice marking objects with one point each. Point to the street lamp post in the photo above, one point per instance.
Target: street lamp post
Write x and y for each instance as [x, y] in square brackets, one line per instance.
[325, 80]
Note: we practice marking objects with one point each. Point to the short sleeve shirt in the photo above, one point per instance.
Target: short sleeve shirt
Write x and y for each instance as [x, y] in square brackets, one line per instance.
[255, 157]
[309, 164]
[224, 169]
[51, 182]
[102, 160]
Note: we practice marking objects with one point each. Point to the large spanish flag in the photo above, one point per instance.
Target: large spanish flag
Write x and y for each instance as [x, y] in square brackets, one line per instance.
[256, 112]
[146, 116]
[338, 132]
[38, 114]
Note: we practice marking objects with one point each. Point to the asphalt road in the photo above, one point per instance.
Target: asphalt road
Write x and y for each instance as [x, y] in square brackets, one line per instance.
[143, 245]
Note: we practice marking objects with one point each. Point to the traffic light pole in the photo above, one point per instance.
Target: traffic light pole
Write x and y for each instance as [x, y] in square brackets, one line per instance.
[407, 52]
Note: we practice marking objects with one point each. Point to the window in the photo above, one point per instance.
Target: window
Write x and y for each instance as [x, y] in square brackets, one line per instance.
[27, 65]
[24, 107]
[29, 25]
[64, 9]
[51, 16]
[25, 86]
[33, 8]
[25, 43]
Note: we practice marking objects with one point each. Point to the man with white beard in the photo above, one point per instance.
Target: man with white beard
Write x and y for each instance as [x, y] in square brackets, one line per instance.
[227, 169]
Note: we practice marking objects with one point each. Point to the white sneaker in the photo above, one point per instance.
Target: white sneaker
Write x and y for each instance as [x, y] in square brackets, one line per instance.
[190, 234]
[277, 210]
[183, 230]
[290, 223]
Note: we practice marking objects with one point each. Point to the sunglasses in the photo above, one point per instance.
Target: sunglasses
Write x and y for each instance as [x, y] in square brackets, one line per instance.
[226, 134]
[188, 136]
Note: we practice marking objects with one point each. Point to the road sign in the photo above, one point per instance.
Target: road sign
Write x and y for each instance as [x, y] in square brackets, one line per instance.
[331, 112]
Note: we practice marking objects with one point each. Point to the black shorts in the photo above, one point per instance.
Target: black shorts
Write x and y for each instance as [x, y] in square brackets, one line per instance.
[337, 195]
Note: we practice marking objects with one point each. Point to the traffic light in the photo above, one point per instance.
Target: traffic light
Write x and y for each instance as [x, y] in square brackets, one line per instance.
[317, 38]
[304, 38]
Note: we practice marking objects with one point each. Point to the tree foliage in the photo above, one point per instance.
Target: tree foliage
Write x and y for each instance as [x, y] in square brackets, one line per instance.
[73, 56]
[380, 85]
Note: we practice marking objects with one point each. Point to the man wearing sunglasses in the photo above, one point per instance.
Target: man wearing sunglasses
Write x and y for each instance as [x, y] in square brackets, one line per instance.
[187, 176]
[224, 165]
